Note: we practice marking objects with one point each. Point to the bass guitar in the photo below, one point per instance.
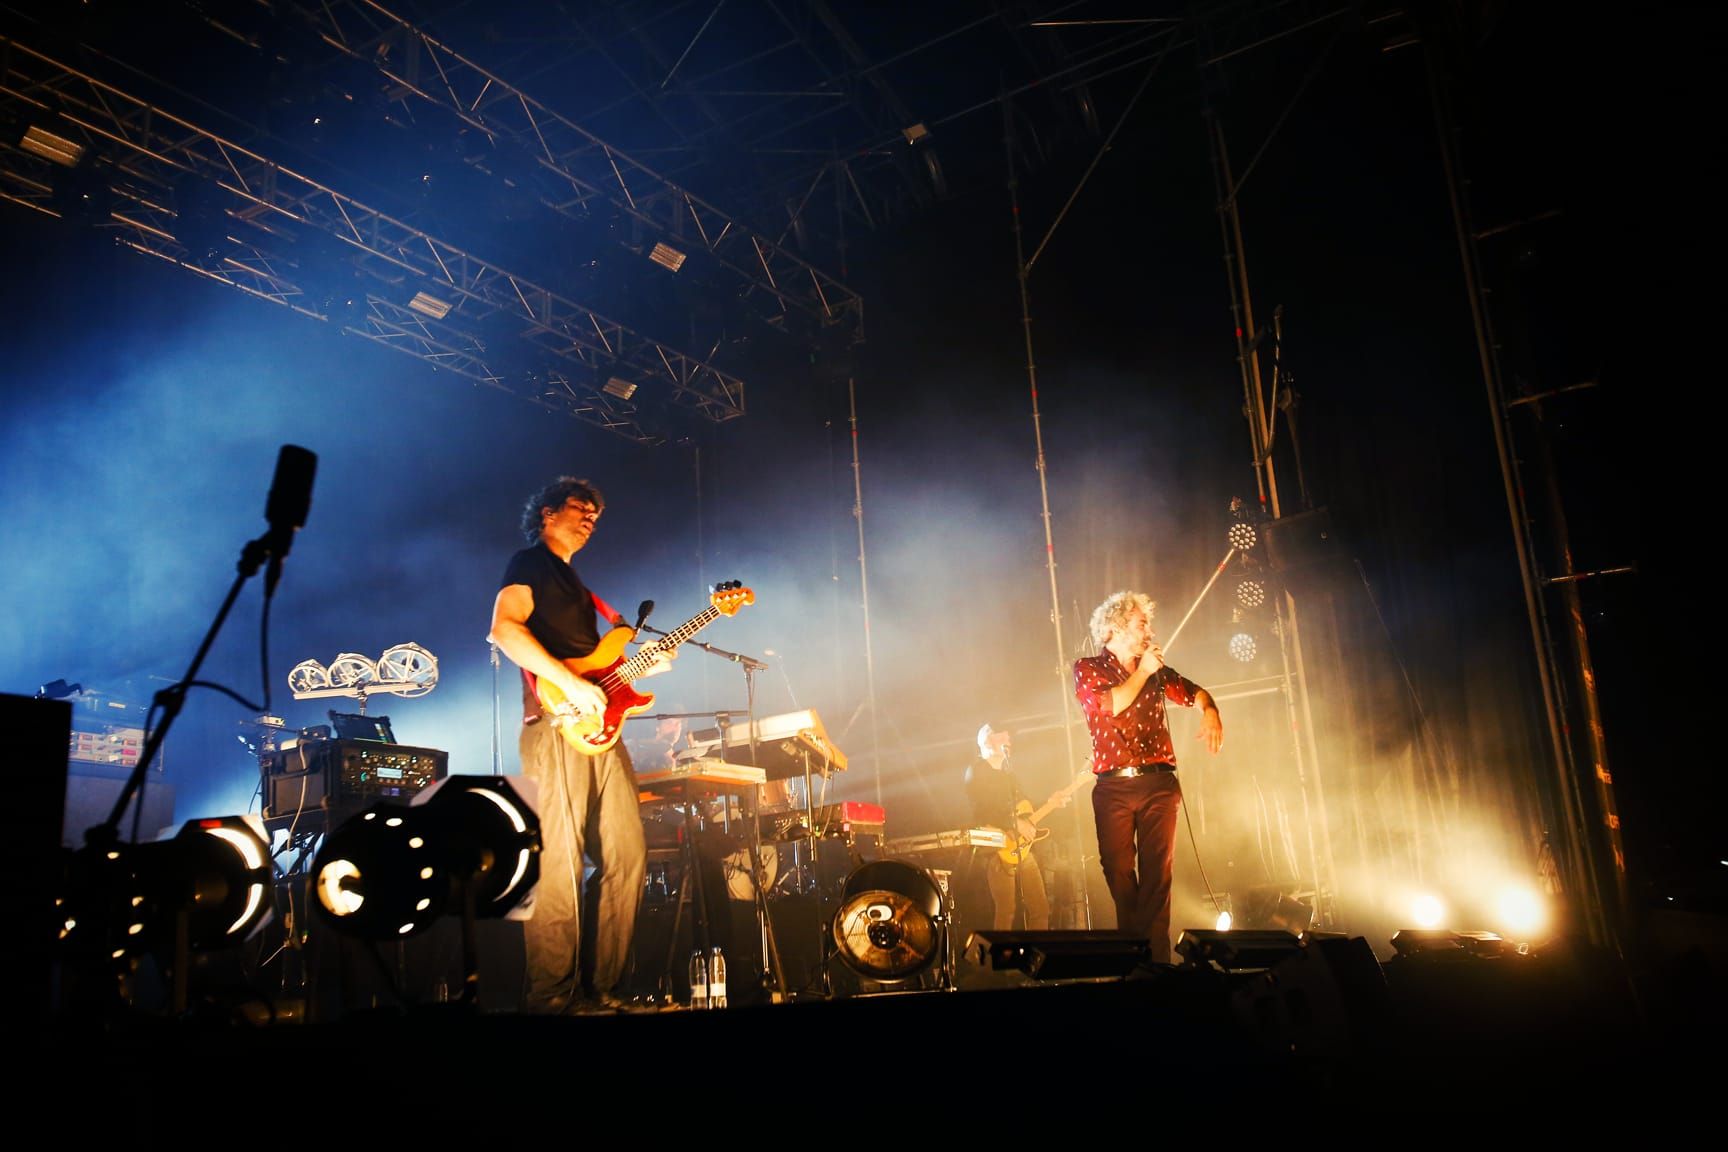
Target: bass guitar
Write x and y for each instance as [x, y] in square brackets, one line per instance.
[1026, 819]
[611, 671]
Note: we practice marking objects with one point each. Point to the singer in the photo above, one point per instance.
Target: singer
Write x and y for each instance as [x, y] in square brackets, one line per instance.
[1122, 693]
[544, 615]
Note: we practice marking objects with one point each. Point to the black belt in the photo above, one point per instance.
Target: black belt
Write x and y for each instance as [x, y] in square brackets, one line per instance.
[1133, 770]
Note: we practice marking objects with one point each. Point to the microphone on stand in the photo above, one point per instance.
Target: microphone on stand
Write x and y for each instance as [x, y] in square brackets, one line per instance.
[642, 611]
[287, 507]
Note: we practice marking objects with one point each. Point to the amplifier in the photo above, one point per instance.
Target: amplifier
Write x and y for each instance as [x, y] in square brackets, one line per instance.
[346, 775]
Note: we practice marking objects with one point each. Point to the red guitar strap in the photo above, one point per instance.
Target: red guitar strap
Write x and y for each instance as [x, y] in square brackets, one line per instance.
[607, 612]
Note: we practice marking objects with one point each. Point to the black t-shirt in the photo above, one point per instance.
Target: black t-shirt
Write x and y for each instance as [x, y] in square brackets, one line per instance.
[993, 792]
[564, 620]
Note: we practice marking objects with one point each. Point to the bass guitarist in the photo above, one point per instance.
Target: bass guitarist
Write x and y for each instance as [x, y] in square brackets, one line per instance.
[1014, 877]
[577, 941]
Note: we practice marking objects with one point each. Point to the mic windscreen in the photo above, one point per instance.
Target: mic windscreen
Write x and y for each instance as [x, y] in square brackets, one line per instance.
[643, 609]
[291, 489]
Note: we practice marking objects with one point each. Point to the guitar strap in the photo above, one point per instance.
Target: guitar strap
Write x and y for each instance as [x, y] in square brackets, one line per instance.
[607, 612]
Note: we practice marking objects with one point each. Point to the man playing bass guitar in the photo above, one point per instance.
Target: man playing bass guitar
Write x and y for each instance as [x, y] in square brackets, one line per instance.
[577, 942]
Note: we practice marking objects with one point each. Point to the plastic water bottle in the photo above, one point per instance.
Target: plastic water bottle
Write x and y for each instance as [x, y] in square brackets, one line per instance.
[698, 979]
[717, 979]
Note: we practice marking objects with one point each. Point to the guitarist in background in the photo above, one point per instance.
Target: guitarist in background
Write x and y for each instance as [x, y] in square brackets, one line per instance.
[577, 942]
[997, 802]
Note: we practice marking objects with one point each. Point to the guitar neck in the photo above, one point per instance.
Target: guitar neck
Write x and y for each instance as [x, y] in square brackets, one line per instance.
[644, 658]
[1055, 801]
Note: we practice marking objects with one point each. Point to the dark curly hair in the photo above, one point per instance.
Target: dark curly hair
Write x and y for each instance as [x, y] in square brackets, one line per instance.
[554, 496]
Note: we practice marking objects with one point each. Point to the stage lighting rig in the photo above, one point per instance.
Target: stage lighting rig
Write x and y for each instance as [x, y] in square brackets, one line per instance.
[406, 670]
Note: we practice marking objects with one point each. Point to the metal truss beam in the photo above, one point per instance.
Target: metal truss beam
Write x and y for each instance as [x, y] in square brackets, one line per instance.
[144, 163]
[586, 168]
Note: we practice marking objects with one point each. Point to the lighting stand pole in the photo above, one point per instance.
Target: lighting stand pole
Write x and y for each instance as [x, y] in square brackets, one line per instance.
[1594, 856]
[864, 590]
[1024, 276]
[1262, 428]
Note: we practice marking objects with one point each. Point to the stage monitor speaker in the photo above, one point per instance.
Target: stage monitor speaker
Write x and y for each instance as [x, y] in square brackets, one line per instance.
[1061, 955]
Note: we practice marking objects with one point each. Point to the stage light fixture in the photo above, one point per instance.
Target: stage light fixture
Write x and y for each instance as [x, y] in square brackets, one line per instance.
[58, 690]
[429, 305]
[667, 257]
[1522, 911]
[915, 132]
[1273, 906]
[53, 148]
[1235, 950]
[1054, 954]
[208, 887]
[1242, 536]
[1243, 644]
[1250, 592]
[623, 389]
[1427, 910]
[891, 924]
[466, 844]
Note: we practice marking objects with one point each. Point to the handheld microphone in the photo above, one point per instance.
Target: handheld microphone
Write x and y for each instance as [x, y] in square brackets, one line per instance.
[287, 507]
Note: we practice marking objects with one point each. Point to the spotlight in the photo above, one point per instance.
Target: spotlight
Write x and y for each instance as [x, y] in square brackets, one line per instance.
[466, 844]
[209, 887]
[1272, 906]
[429, 305]
[51, 147]
[667, 257]
[623, 389]
[1415, 941]
[1250, 592]
[1242, 536]
[891, 924]
[1243, 645]
[1522, 911]
[58, 690]
[1236, 950]
[1428, 911]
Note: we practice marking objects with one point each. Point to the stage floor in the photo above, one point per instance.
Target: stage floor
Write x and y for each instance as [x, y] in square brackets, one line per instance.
[1544, 1043]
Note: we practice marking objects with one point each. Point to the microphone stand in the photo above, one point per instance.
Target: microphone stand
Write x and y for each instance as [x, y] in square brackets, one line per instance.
[172, 698]
[771, 972]
[103, 840]
[1216, 572]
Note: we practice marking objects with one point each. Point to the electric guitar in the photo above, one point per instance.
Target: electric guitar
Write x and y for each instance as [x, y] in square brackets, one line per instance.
[608, 669]
[1026, 818]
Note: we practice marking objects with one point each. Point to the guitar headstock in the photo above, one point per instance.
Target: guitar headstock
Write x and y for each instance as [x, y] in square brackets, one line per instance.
[730, 596]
